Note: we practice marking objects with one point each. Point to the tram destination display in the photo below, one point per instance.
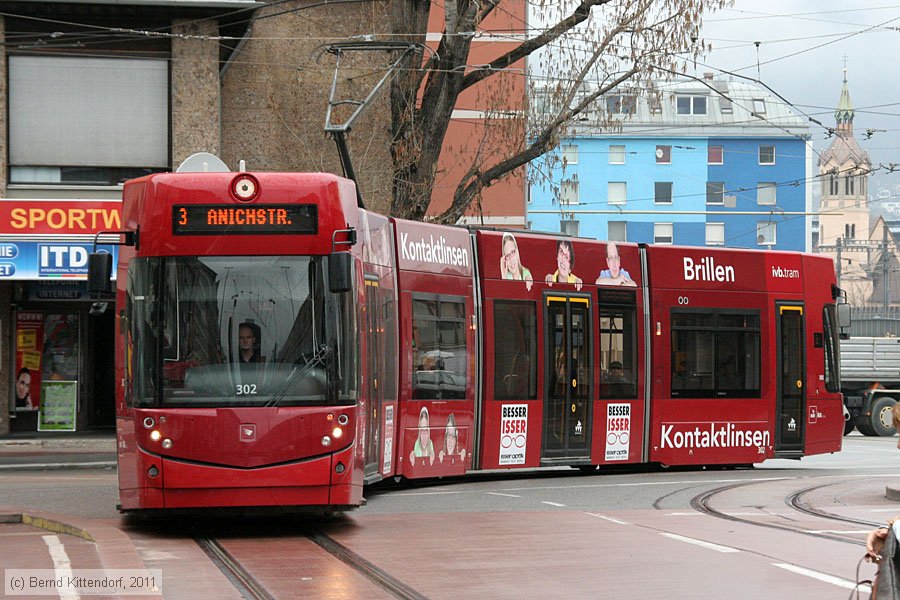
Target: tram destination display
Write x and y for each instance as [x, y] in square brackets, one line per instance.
[260, 219]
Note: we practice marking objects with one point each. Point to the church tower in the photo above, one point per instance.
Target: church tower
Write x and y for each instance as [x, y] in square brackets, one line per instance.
[844, 211]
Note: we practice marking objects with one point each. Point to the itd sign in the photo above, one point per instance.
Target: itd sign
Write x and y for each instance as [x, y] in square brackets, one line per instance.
[62, 260]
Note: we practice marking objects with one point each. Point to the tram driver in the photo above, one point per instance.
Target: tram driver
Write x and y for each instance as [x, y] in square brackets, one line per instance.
[249, 344]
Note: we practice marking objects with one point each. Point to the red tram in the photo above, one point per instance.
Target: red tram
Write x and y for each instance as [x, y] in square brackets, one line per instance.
[279, 346]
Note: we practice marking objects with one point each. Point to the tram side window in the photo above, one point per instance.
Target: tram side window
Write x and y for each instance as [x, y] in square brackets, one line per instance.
[832, 369]
[715, 354]
[439, 347]
[515, 350]
[617, 352]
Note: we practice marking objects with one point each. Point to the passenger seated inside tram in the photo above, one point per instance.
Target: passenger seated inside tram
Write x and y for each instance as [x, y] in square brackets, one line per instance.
[616, 374]
[249, 344]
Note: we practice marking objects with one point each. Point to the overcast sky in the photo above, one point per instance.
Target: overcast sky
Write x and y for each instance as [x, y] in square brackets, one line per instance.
[802, 45]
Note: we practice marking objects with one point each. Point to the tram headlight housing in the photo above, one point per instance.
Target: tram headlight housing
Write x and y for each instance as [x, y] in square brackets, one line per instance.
[343, 419]
[167, 444]
[326, 441]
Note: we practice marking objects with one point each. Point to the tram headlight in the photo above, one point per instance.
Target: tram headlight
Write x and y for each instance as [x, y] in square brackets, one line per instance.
[167, 444]
[343, 419]
[149, 422]
[326, 441]
[155, 435]
[337, 433]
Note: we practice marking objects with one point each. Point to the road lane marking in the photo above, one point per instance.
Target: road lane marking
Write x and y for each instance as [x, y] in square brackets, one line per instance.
[701, 543]
[552, 503]
[844, 583]
[504, 495]
[610, 519]
[838, 530]
[61, 565]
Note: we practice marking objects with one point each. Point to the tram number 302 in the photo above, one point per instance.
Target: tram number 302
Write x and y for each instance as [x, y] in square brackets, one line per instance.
[247, 389]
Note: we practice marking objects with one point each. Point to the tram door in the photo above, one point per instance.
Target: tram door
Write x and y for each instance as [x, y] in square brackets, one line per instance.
[374, 352]
[568, 378]
[790, 401]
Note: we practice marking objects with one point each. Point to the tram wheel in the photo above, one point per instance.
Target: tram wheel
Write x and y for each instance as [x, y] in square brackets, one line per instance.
[849, 426]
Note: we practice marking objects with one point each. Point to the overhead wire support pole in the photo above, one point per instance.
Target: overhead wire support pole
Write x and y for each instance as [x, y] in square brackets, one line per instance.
[338, 131]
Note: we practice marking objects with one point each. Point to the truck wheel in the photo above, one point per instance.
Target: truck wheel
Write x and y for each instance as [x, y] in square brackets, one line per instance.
[880, 422]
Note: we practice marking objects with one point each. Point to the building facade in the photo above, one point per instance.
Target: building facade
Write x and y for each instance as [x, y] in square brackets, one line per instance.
[703, 162]
[97, 93]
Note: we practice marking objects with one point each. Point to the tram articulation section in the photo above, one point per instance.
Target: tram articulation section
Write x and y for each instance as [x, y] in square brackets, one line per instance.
[279, 346]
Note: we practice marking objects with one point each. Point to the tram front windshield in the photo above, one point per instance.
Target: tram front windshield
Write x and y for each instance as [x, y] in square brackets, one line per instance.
[238, 331]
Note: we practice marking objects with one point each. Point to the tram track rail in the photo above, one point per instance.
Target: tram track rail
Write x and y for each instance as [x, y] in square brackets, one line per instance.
[794, 500]
[251, 588]
[242, 580]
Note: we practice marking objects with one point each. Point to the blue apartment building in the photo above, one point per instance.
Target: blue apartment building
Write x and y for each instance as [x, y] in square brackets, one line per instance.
[717, 163]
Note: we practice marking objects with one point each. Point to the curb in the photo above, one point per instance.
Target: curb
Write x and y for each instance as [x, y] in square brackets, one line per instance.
[114, 548]
[111, 464]
[892, 493]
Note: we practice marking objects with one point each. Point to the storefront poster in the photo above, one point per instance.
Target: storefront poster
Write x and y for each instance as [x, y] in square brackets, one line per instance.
[60, 347]
[29, 351]
[60, 401]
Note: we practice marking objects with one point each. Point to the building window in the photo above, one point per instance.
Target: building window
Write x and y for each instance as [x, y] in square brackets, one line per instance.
[849, 231]
[759, 106]
[655, 103]
[616, 155]
[570, 154]
[715, 192]
[568, 192]
[621, 104]
[765, 233]
[715, 234]
[617, 231]
[663, 155]
[766, 193]
[569, 227]
[74, 120]
[662, 233]
[690, 105]
[848, 185]
[833, 180]
[663, 192]
[616, 192]
[715, 155]
[766, 155]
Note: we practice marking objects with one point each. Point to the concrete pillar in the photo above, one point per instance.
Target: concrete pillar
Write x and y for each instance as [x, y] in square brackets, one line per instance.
[196, 106]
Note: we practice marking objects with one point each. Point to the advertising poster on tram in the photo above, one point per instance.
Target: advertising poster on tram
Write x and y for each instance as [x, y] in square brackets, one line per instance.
[618, 431]
[29, 350]
[388, 439]
[513, 434]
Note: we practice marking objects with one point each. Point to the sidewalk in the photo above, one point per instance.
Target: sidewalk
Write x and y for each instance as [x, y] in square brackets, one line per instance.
[56, 450]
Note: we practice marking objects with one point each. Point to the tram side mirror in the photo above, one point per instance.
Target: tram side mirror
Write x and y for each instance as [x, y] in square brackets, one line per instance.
[843, 314]
[99, 272]
[340, 265]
